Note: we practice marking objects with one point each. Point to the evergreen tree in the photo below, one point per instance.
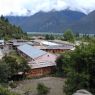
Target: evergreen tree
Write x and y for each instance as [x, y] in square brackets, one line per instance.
[69, 36]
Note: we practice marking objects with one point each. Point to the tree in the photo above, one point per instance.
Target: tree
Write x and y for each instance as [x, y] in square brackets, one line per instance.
[69, 36]
[10, 67]
[52, 37]
[80, 69]
[12, 64]
[2, 18]
[42, 89]
[59, 66]
[23, 66]
[4, 72]
[47, 37]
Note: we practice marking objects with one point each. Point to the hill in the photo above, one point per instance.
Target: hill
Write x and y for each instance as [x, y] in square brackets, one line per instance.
[85, 25]
[9, 31]
[53, 21]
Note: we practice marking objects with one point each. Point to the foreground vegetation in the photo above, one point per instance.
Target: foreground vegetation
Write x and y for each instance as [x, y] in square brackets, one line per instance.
[10, 66]
[5, 91]
[42, 89]
[79, 68]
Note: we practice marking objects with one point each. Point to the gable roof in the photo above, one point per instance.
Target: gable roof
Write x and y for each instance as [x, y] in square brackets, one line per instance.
[31, 51]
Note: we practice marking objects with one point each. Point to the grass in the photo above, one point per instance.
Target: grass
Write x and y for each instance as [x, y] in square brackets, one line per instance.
[18, 58]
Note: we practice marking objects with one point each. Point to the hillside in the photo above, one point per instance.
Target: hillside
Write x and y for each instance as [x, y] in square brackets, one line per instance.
[54, 21]
[9, 31]
[85, 25]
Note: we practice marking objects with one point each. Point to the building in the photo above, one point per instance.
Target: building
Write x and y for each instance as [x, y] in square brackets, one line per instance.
[54, 47]
[17, 43]
[59, 48]
[2, 43]
[41, 62]
[48, 43]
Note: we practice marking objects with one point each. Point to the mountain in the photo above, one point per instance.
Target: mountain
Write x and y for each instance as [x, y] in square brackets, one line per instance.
[85, 25]
[9, 31]
[53, 21]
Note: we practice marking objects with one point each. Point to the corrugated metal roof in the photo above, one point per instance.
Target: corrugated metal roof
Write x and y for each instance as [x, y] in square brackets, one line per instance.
[42, 64]
[61, 47]
[2, 41]
[48, 43]
[18, 43]
[31, 51]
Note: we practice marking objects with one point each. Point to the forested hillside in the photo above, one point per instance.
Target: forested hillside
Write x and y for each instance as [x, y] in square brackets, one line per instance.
[9, 31]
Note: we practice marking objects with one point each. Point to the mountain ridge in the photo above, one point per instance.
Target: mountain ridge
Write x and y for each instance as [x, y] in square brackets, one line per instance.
[54, 21]
[85, 25]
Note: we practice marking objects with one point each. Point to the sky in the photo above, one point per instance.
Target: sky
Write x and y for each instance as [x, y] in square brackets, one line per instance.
[30, 7]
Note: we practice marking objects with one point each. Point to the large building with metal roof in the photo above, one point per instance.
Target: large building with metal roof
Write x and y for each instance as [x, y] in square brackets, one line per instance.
[41, 62]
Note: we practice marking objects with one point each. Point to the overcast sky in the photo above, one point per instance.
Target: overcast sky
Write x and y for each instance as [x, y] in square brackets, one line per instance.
[29, 7]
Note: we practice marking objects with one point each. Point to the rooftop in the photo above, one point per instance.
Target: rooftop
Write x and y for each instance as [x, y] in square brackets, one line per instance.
[63, 42]
[21, 43]
[31, 51]
[1, 42]
[48, 43]
[70, 47]
[42, 65]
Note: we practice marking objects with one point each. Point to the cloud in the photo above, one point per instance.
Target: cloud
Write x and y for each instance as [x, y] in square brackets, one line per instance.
[29, 7]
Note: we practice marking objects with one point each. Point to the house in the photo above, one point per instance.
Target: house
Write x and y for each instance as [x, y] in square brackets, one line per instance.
[41, 62]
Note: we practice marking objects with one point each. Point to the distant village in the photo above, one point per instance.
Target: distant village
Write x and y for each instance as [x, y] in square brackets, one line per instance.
[40, 54]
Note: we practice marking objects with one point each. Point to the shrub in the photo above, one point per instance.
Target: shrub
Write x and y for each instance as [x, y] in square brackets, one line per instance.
[42, 89]
[13, 84]
[5, 91]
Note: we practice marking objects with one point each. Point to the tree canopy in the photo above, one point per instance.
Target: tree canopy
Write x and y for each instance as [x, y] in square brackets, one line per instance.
[10, 67]
[79, 66]
[69, 36]
[49, 37]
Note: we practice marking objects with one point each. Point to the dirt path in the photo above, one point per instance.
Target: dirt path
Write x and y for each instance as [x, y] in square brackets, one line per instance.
[55, 85]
